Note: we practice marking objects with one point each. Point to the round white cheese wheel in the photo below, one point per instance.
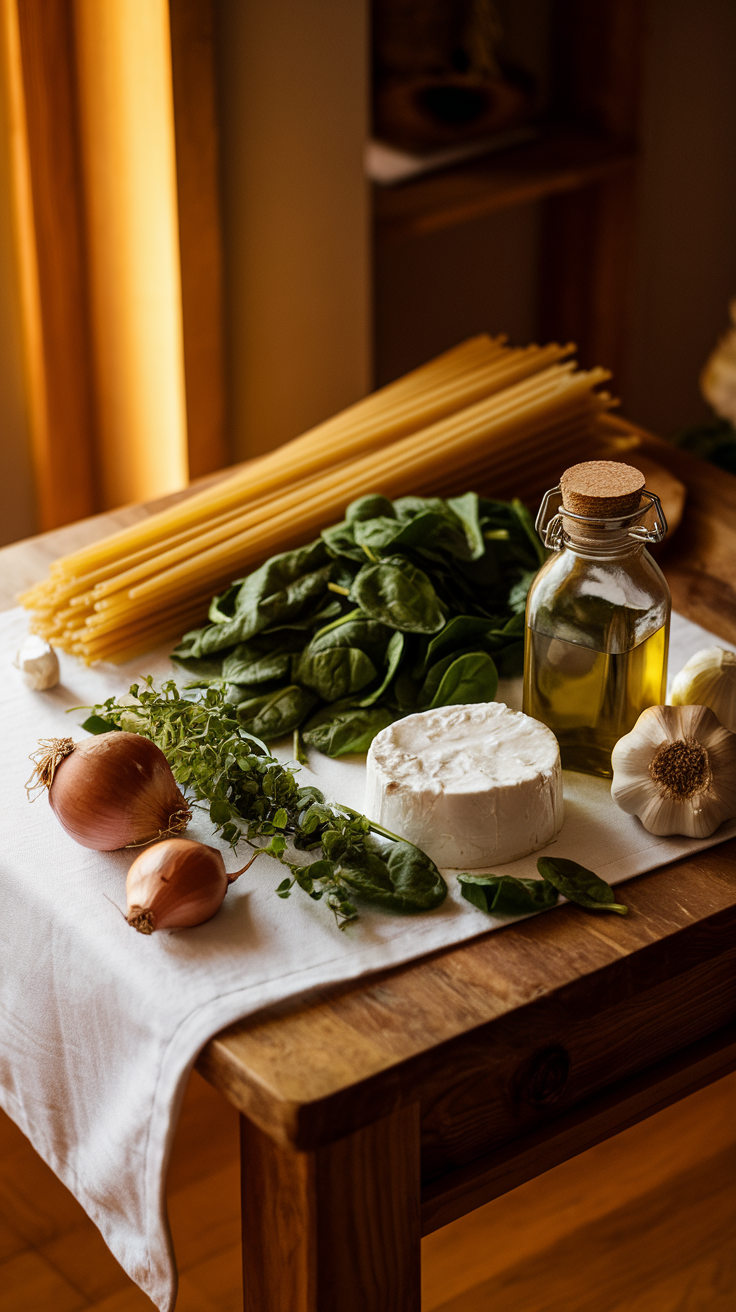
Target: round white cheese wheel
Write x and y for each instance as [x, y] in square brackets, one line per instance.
[471, 786]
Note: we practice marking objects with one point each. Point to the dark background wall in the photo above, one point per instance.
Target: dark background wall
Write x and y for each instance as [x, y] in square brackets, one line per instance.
[431, 291]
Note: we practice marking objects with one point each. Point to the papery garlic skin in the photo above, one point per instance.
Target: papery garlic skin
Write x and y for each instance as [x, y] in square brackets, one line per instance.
[718, 379]
[709, 679]
[38, 663]
[695, 811]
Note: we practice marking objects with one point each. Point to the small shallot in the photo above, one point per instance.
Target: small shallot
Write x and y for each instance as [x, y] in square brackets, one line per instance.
[176, 884]
[115, 790]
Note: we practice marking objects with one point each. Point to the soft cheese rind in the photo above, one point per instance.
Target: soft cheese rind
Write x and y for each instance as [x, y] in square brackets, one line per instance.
[471, 785]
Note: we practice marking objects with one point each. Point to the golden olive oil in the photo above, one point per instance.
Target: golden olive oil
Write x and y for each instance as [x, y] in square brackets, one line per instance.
[590, 699]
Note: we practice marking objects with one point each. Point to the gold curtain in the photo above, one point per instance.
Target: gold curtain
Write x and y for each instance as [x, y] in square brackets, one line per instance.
[123, 51]
[121, 334]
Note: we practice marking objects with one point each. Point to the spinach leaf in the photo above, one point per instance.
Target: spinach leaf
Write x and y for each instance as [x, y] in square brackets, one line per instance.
[292, 631]
[382, 533]
[344, 658]
[407, 507]
[579, 885]
[282, 589]
[275, 714]
[406, 691]
[400, 595]
[394, 652]
[505, 895]
[468, 512]
[460, 631]
[336, 672]
[340, 541]
[96, 724]
[206, 669]
[470, 678]
[369, 507]
[242, 668]
[510, 661]
[459, 673]
[392, 874]
[222, 607]
[356, 630]
[338, 730]
[347, 618]
[526, 523]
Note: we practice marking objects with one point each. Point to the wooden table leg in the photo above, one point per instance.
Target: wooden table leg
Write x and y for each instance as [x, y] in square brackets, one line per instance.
[333, 1229]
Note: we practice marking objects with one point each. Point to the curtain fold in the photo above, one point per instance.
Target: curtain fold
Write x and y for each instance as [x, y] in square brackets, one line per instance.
[123, 53]
[117, 359]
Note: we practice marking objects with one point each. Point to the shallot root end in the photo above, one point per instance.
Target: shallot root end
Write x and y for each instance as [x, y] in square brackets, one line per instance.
[141, 920]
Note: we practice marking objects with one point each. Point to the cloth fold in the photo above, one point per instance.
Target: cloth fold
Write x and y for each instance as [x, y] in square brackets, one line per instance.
[99, 1026]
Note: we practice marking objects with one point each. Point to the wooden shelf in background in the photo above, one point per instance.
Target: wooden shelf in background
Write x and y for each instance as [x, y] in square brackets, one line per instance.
[560, 161]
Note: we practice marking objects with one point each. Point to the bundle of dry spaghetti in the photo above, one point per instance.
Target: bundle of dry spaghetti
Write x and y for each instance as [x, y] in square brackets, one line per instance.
[483, 409]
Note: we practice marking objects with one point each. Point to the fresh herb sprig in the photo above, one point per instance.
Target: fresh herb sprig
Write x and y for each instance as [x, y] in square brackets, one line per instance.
[251, 795]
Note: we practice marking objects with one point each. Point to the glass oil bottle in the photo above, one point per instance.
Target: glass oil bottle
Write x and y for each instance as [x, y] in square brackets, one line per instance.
[598, 613]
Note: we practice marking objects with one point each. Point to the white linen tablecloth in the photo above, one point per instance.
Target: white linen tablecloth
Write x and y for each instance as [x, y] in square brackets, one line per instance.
[100, 1026]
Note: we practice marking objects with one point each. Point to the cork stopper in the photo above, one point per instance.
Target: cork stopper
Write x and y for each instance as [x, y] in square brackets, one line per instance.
[602, 489]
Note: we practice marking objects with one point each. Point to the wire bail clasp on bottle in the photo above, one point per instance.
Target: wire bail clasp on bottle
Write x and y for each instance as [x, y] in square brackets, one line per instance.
[550, 527]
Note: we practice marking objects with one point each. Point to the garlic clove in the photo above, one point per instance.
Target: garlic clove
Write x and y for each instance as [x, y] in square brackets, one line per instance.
[676, 771]
[38, 663]
[709, 679]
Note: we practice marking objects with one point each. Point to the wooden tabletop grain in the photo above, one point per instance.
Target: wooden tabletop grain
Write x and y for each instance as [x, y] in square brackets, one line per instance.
[494, 1038]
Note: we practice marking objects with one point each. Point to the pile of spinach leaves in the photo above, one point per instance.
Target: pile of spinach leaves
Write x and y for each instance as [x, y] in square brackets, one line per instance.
[404, 606]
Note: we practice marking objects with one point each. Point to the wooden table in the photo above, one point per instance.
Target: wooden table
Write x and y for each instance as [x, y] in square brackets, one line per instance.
[380, 1111]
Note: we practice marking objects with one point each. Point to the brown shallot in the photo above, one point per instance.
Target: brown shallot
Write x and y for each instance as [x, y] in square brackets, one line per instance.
[114, 790]
[176, 884]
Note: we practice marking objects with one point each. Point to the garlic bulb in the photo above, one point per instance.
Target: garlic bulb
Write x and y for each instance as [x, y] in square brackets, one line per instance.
[718, 379]
[709, 679]
[38, 663]
[676, 771]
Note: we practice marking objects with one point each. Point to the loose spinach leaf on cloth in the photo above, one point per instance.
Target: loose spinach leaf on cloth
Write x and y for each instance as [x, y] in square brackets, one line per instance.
[579, 885]
[505, 895]
[394, 875]
[249, 795]
[404, 605]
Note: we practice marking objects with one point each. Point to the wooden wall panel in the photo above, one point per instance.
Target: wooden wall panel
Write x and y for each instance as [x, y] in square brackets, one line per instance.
[62, 408]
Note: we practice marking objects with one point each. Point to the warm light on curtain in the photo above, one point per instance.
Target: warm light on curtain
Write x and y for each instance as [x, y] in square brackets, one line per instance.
[24, 234]
[128, 152]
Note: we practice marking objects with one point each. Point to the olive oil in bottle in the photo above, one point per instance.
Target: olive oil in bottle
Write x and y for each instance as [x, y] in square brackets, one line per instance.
[598, 612]
[591, 698]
